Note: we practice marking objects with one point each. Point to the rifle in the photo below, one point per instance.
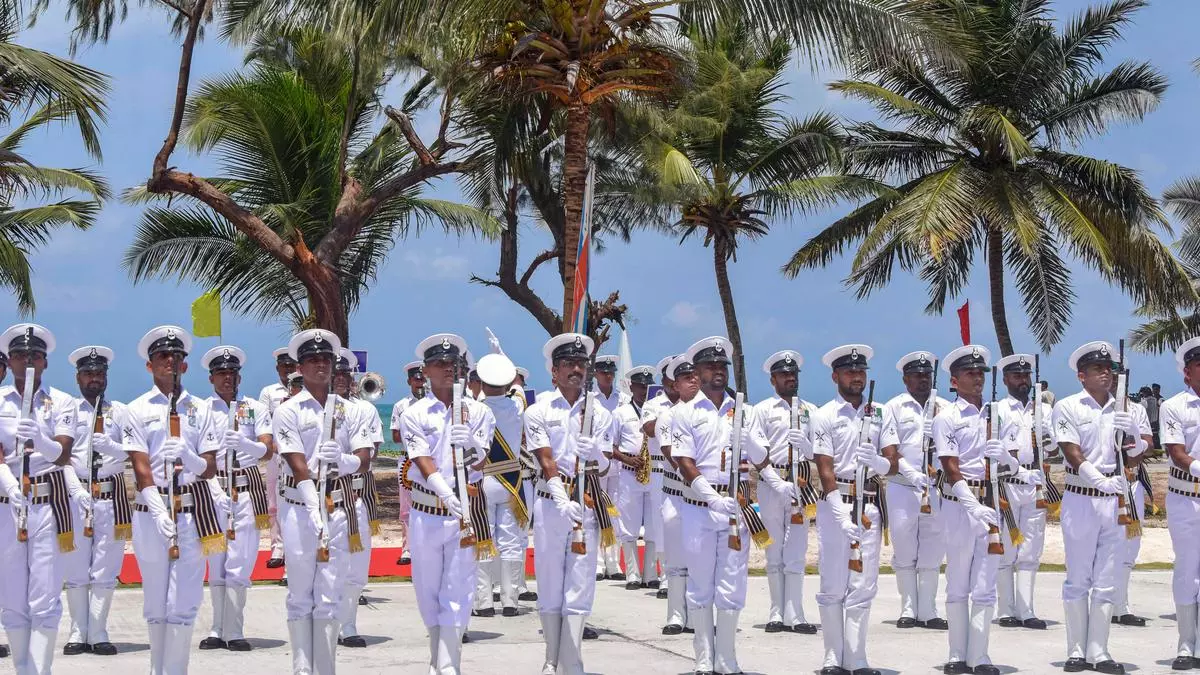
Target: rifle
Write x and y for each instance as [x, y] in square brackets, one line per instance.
[927, 442]
[859, 514]
[26, 479]
[330, 425]
[995, 546]
[1125, 501]
[586, 428]
[174, 430]
[735, 471]
[797, 517]
[466, 534]
[93, 487]
[231, 469]
[1040, 492]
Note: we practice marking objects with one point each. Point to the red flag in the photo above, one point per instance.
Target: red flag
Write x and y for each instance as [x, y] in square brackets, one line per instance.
[964, 322]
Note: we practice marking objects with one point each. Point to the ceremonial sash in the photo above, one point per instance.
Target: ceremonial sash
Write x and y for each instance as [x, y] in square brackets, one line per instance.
[505, 466]
[370, 497]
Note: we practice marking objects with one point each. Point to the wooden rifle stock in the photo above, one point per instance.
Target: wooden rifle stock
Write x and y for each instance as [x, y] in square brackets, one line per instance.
[24, 446]
[466, 535]
[231, 468]
[995, 545]
[330, 420]
[859, 513]
[735, 469]
[97, 427]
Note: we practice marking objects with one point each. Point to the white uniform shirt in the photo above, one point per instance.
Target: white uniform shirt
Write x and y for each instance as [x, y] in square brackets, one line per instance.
[1016, 427]
[298, 427]
[960, 430]
[907, 417]
[272, 395]
[398, 409]
[773, 419]
[628, 423]
[509, 421]
[1079, 419]
[555, 424]
[114, 424]
[1179, 420]
[374, 423]
[426, 432]
[148, 426]
[703, 432]
[610, 403]
[54, 412]
[253, 421]
[836, 430]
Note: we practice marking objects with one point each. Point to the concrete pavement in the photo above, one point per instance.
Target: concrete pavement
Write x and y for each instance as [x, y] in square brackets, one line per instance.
[631, 641]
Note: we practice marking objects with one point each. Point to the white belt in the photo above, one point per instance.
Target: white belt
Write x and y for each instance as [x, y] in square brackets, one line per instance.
[185, 500]
[293, 495]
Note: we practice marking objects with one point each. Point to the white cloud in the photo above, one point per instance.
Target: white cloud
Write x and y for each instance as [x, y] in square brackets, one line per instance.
[435, 265]
[685, 314]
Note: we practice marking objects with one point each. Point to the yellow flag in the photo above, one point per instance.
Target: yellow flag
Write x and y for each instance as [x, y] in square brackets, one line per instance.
[206, 315]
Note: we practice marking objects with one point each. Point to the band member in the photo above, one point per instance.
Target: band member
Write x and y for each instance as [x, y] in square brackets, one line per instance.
[445, 531]
[1139, 484]
[568, 529]
[650, 413]
[632, 452]
[37, 524]
[1019, 564]
[1180, 417]
[717, 524]
[918, 546]
[682, 384]
[175, 522]
[790, 505]
[849, 438]
[271, 396]
[1084, 426]
[320, 523]
[237, 472]
[610, 398]
[92, 569]
[529, 473]
[507, 510]
[416, 388]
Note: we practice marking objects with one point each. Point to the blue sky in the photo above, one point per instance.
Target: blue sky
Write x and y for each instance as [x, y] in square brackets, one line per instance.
[86, 297]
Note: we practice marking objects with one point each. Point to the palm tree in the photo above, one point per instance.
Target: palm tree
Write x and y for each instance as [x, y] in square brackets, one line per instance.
[277, 131]
[51, 91]
[981, 168]
[731, 163]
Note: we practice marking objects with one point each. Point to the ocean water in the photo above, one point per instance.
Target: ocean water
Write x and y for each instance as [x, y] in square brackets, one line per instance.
[385, 414]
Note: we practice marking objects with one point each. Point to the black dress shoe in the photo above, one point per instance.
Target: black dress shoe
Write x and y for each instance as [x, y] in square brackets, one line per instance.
[906, 622]
[705, 672]
[495, 596]
[1009, 622]
[617, 577]
[834, 670]
[936, 623]
[672, 629]
[956, 668]
[104, 649]
[600, 576]
[653, 584]
[805, 628]
[212, 643]
[3, 651]
[661, 594]
[633, 586]
[689, 630]
[404, 560]
[274, 563]
[527, 596]
[362, 601]
[1182, 663]
[239, 646]
[1110, 667]
[74, 648]
[484, 613]
[1034, 623]
[1129, 620]
[283, 581]
[1075, 665]
[509, 611]
[590, 633]
[774, 627]
[986, 669]
[466, 638]
[865, 671]
[354, 642]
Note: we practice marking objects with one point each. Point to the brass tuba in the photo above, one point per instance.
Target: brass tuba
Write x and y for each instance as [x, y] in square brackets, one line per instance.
[372, 386]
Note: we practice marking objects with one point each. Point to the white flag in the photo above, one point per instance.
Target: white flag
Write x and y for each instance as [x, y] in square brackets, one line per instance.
[624, 363]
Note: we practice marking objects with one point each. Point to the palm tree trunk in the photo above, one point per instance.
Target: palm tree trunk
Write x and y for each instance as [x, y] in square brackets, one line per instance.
[721, 267]
[575, 158]
[995, 248]
[324, 291]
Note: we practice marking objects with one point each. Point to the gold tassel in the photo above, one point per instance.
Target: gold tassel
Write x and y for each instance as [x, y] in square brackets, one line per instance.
[356, 545]
[262, 522]
[1133, 530]
[607, 537]
[376, 527]
[213, 544]
[1154, 510]
[810, 512]
[518, 508]
[1054, 510]
[1014, 535]
[612, 511]
[887, 538]
[66, 542]
[485, 550]
[761, 539]
[123, 532]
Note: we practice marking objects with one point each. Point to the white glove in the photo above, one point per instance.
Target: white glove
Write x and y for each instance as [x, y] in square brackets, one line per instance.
[75, 489]
[586, 446]
[1029, 477]
[329, 452]
[725, 506]
[437, 483]
[774, 481]
[158, 511]
[105, 446]
[10, 487]
[348, 464]
[1194, 468]
[192, 461]
[566, 507]
[1111, 485]
[312, 503]
[460, 435]
[866, 456]
[841, 512]
[45, 447]
[978, 512]
[1124, 421]
[994, 450]
[918, 478]
[171, 450]
[797, 438]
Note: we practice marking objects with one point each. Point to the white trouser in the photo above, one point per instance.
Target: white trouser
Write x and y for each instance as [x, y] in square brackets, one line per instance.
[674, 561]
[566, 581]
[272, 480]
[171, 589]
[97, 559]
[1183, 522]
[653, 520]
[1127, 554]
[443, 571]
[634, 504]
[786, 556]
[716, 573]
[1013, 600]
[849, 593]
[510, 538]
[233, 566]
[1091, 538]
[970, 574]
[30, 595]
[357, 570]
[917, 538]
[608, 562]
[314, 589]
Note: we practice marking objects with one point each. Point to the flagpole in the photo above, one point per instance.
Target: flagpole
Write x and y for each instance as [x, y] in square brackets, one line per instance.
[580, 300]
